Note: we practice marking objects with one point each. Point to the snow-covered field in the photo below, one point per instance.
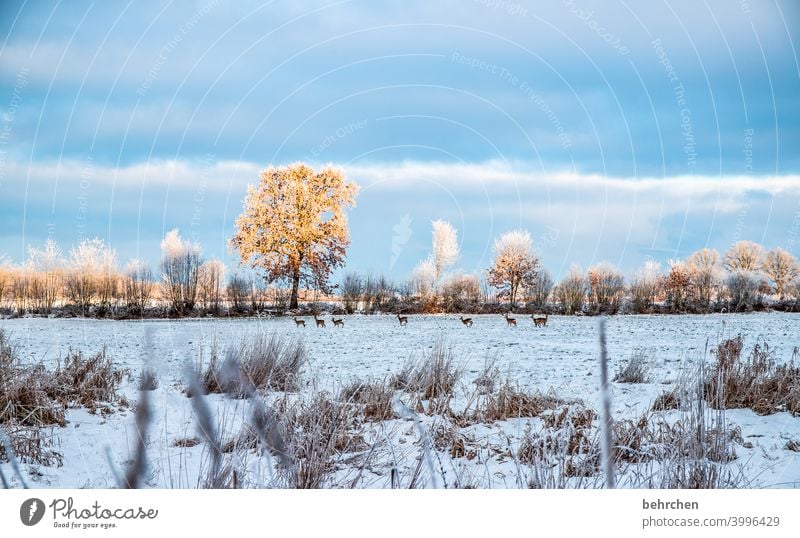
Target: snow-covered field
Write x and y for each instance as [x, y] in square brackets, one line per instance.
[561, 357]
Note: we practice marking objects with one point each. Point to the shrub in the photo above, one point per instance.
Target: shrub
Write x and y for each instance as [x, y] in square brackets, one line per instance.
[374, 399]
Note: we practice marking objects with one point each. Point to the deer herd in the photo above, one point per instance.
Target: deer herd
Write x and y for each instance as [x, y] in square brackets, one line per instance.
[539, 320]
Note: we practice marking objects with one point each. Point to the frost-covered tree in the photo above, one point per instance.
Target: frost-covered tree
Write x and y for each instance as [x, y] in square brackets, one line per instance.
[606, 285]
[571, 291]
[210, 284]
[237, 291]
[137, 286]
[89, 270]
[180, 271]
[515, 266]
[678, 284]
[706, 274]
[744, 256]
[781, 268]
[423, 279]
[646, 284]
[294, 224]
[445, 247]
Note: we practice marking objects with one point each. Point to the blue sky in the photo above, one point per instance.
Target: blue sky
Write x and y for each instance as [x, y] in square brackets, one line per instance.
[611, 130]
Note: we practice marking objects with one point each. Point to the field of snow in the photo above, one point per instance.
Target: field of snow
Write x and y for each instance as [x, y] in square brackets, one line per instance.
[561, 357]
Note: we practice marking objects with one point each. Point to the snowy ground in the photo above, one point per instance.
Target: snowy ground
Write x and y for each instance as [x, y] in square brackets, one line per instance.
[562, 357]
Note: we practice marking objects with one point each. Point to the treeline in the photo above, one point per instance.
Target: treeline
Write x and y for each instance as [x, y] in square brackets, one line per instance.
[89, 281]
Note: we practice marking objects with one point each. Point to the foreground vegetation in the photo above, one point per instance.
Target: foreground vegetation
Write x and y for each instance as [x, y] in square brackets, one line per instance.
[423, 426]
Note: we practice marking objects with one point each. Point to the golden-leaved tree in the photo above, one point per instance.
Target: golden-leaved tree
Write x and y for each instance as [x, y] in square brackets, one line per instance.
[294, 224]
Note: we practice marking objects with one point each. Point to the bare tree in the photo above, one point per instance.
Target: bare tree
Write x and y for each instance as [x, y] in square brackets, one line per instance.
[460, 292]
[743, 289]
[781, 268]
[45, 276]
[606, 285]
[571, 290]
[445, 247]
[6, 272]
[515, 265]
[744, 256]
[351, 291]
[238, 291]
[706, 274]
[138, 286]
[645, 286]
[180, 271]
[541, 289]
[209, 284]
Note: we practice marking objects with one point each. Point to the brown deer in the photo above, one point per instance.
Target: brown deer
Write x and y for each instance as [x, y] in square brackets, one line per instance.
[467, 321]
[402, 319]
[299, 322]
[320, 322]
[512, 322]
[337, 322]
[539, 320]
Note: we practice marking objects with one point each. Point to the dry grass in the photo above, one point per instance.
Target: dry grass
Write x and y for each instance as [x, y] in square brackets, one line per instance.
[374, 400]
[317, 431]
[266, 362]
[635, 370]
[32, 445]
[435, 376]
[666, 401]
[756, 383]
[510, 402]
[186, 442]
[86, 381]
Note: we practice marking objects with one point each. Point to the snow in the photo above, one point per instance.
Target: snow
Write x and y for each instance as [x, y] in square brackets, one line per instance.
[562, 356]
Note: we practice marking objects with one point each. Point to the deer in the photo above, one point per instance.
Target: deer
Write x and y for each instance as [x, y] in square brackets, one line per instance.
[337, 322]
[320, 322]
[402, 319]
[299, 322]
[467, 322]
[539, 320]
[512, 322]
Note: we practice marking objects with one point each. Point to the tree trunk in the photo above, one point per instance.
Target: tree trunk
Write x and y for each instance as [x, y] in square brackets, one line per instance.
[295, 286]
